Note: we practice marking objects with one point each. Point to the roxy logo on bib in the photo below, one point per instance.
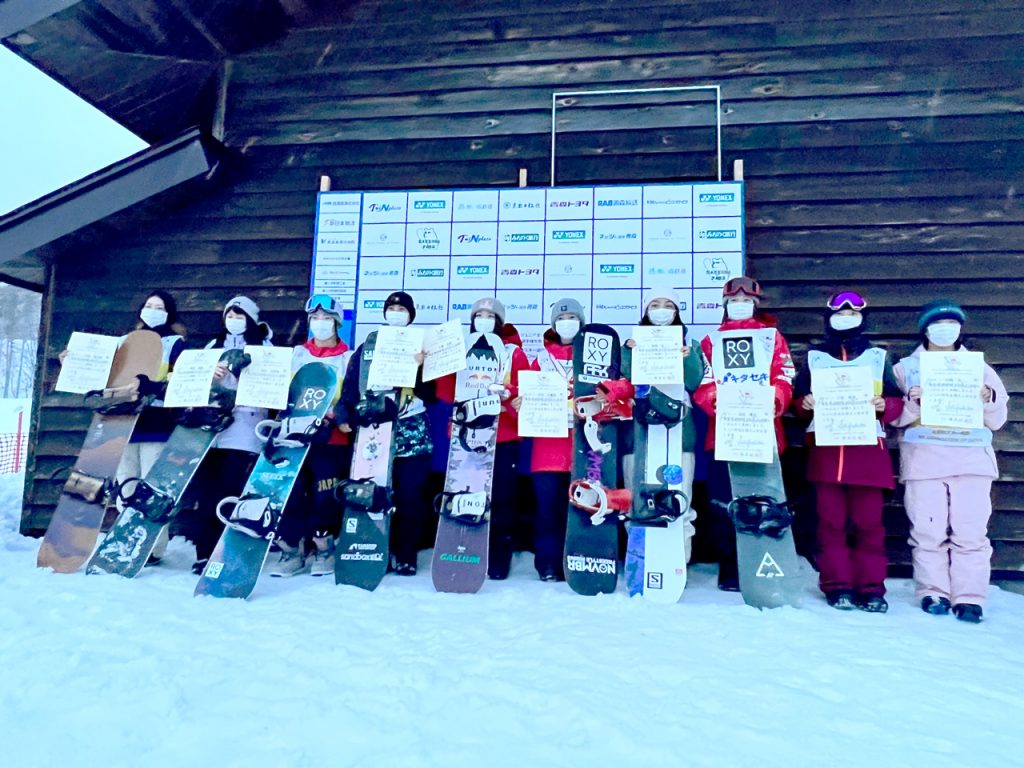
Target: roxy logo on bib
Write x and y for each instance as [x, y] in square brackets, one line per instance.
[597, 357]
[739, 352]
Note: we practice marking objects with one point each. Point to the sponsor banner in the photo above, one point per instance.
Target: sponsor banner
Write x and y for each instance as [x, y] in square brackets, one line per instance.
[569, 237]
[719, 199]
[533, 339]
[475, 205]
[668, 235]
[383, 272]
[425, 272]
[327, 242]
[430, 206]
[341, 203]
[707, 306]
[475, 238]
[617, 270]
[460, 303]
[431, 307]
[570, 203]
[618, 306]
[618, 236]
[666, 269]
[618, 202]
[338, 222]
[522, 307]
[476, 272]
[568, 271]
[382, 240]
[370, 304]
[724, 234]
[428, 239]
[668, 201]
[521, 272]
[715, 269]
[582, 296]
[526, 237]
[521, 205]
[384, 207]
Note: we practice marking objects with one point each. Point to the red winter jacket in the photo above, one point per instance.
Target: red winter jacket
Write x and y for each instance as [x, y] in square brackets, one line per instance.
[554, 454]
[508, 421]
[781, 378]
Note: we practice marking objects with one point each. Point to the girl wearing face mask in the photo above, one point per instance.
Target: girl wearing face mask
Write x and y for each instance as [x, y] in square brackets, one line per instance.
[488, 316]
[741, 297]
[233, 453]
[849, 479]
[661, 307]
[410, 471]
[948, 484]
[551, 458]
[311, 518]
[158, 313]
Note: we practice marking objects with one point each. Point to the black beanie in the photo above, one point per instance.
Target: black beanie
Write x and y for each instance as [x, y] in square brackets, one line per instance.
[402, 299]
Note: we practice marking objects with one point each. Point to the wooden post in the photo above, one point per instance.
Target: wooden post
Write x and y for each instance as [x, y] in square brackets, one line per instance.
[737, 170]
[325, 183]
[522, 177]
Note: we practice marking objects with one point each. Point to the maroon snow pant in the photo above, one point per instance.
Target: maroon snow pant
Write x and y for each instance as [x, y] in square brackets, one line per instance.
[851, 539]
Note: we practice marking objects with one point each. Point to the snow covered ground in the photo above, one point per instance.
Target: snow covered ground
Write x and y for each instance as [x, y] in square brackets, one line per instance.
[98, 671]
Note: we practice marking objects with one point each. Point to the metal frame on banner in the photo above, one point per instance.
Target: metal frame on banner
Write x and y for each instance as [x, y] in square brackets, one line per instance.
[623, 91]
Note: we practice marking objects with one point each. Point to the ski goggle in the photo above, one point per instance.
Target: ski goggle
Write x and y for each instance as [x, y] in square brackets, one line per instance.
[747, 285]
[846, 299]
[324, 302]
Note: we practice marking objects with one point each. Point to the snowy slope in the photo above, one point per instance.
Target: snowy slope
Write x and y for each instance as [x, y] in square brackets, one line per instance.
[97, 671]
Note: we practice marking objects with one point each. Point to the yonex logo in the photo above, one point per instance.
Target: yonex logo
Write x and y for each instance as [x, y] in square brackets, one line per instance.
[473, 270]
[617, 269]
[716, 197]
[429, 205]
[569, 234]
[373, 304]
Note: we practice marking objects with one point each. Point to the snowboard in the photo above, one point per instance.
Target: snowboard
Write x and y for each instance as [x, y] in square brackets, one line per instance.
[768, 566]
[76, 522]
[153, 501]
[361, 551]
[236, 562]
[463, 529]
[656, 548]
[592, 550]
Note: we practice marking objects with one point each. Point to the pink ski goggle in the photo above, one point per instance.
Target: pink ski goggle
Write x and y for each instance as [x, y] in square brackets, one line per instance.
[848, 299]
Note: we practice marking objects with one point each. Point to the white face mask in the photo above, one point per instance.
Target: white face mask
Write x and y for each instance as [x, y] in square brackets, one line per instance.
[153, 317]
[739, 310]
[396, 318]
[567, 329]
[943, 334]
[484, 324]
[322, 330]
[661, 315]
[235, 325]
[844, 322]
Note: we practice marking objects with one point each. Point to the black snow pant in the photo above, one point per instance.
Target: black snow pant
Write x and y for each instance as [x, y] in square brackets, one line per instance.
[552, 491]
[413, 506]
[222, 473]
[312, 510]
[503, 508]
[723, 532]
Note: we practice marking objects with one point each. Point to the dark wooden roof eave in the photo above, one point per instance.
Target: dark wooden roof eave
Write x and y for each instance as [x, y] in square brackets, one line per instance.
[101, 194]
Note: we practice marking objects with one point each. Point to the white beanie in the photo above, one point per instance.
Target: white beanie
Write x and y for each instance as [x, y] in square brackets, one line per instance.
[246, 305]
[660, 292]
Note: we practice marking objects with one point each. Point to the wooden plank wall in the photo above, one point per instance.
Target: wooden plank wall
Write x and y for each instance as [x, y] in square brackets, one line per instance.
[881, 143]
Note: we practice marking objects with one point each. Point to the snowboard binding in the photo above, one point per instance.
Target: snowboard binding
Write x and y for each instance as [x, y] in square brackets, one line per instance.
[155, 505]
[213, 419]
[122, 401]
[658, 409]
[365, 496]
[293, 432]
[614, 405]
[660, 506]
[374, 409]
[761, 516]
[252, 515]
[465, 507]
[87, 487]
[472, 415]
[599, 501]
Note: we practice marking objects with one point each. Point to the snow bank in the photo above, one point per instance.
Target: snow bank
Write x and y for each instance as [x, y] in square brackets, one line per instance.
[102, 671]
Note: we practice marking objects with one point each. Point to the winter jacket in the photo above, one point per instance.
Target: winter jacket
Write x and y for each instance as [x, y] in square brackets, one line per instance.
[781, 377]
[241, 433]
[412, 430]
[554, 454]
[338, 358]
[866, 465]
[693, 374]
[924, 461]
[515, 360]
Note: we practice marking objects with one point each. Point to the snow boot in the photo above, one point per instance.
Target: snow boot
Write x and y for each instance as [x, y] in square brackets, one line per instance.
[872, 603]
[841, 600]
[968, 612]
[290, 561]
[323, 557]
[936, 606]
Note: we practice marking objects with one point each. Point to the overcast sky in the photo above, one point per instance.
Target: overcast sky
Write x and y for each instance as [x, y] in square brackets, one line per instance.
[48, 136]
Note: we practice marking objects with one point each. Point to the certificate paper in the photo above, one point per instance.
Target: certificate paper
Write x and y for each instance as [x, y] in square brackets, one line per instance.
[843, 413]
[264, 382]
[951, 389]
[657, 356]
[446, 350]
[87, 365]
[394, 357]
[189, 386]
[744, 423]
[544, 402]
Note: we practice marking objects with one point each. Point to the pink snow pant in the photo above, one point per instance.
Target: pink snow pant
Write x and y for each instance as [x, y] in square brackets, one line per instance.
[851, 539]
[948, 531]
